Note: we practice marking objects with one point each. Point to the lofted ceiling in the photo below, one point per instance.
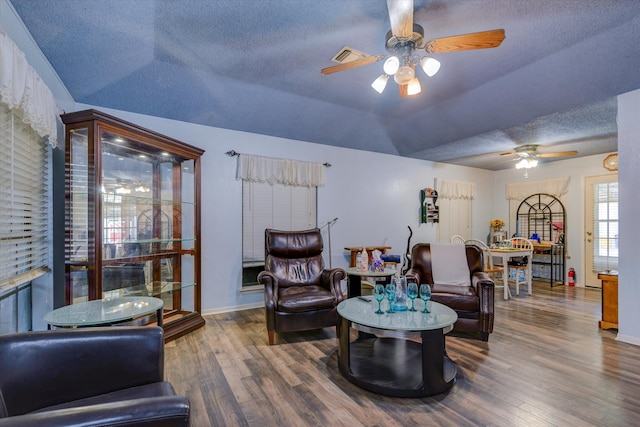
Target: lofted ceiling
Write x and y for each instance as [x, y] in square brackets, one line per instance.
[254, 66]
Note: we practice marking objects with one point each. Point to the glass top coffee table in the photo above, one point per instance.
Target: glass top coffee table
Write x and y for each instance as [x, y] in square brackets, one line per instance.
[103, 312]
[399, 354]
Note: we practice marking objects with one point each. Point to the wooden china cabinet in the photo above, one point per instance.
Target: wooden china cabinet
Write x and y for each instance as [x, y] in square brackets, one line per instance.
[132, 217]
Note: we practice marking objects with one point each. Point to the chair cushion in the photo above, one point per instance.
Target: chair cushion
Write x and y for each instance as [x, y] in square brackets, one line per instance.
[297, 299]
[459, 298]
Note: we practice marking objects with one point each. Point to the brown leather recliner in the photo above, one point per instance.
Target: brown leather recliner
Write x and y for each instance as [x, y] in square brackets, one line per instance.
[299, 293]
[89, 377]
[473, 304]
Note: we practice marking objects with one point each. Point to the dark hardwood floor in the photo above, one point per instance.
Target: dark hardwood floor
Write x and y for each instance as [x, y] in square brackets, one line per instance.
[546, 364]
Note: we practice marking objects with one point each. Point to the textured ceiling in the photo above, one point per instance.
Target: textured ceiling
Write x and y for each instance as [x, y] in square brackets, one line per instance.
[255, 66]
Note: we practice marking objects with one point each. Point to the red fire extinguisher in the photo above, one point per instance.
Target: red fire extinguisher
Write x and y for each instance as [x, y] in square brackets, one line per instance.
[572, 277]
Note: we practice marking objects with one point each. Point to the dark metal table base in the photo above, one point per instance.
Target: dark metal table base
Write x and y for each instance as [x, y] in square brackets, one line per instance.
[397, 366]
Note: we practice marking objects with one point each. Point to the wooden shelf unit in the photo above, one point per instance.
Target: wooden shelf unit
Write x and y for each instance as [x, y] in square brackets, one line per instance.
[132, 217]
[544, 215]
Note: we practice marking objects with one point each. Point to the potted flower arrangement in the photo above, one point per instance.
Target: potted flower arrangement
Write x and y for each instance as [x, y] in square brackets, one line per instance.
[497, 225]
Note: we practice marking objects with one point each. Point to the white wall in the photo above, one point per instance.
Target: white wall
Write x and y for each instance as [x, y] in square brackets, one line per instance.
[374, 196]
[576, 169]
[629, 179]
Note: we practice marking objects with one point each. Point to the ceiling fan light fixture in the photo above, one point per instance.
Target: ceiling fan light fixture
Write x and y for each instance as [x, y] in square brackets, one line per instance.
[413, 88]
[525, 163]
[404, 75]
[380, 83]
[391, 65]
[430, 66]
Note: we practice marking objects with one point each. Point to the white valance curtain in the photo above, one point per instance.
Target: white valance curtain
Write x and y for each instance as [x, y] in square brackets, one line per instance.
[519, 191]
[21, 87]
[280, 171]
[455, 190]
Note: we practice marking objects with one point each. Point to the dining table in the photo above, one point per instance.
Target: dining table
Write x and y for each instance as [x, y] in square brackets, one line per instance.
[505, 254]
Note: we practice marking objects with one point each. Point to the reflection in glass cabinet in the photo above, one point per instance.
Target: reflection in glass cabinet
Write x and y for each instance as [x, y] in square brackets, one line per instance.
[132, 217]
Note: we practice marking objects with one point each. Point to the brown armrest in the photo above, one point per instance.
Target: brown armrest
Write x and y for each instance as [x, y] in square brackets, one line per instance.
[331, 280]
[150, 411]
[413, 276]
[270, 283]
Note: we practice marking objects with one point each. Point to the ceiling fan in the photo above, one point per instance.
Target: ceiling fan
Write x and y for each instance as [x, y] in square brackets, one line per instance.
[407, 37]
[527, 155]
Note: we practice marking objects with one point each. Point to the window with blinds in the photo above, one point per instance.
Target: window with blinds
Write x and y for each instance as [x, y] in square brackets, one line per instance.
[24, 246]
[282, 207]
[605, 219]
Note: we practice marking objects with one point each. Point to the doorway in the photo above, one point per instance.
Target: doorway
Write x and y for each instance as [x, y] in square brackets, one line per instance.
[601, 227]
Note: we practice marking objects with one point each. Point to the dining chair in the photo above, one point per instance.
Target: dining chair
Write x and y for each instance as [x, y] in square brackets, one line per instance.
[456, 238]
[520, 263]
[494, 271]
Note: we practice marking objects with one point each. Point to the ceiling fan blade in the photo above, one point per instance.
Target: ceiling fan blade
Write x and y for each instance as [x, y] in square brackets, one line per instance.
[509, 153]
[401, 17]
[481, 40]
[351, 64]
[557, 154]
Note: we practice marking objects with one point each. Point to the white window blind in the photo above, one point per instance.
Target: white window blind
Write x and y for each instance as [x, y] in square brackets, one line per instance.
[23, 195]
[282, 207]
[605, 218]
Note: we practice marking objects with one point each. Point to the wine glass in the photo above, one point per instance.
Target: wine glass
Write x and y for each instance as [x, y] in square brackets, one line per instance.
[412, 292]
[425, 294]
[391, 295]
[378, 294]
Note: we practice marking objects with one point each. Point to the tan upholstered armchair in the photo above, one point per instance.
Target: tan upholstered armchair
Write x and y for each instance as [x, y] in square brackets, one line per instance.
[299, 293]
[474, 302]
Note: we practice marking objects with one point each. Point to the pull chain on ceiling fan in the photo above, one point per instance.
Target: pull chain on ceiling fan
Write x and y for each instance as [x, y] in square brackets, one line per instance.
[404, 39]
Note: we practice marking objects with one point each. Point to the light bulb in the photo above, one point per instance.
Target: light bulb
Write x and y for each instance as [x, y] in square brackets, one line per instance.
[413, 87]
[380, 83]
[527, 163]
[404, 75]
[430, 66]
[391, 65]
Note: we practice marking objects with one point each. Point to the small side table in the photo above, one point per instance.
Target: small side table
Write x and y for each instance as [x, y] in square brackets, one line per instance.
[609, 300]
[354, 279]
[104, 312]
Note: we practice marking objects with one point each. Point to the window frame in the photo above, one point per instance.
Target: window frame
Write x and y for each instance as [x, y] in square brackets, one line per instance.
[299, 211]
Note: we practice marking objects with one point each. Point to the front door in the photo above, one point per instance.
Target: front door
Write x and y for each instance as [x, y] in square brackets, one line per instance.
[601, 227]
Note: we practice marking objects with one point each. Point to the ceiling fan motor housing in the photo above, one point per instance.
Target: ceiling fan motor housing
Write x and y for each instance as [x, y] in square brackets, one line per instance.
[416, 38]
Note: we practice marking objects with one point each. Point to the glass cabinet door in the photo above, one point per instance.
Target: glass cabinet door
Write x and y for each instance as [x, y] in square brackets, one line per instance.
[77, 216]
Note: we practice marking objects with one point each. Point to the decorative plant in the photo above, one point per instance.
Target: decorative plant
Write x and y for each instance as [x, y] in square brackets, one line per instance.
[497, 224]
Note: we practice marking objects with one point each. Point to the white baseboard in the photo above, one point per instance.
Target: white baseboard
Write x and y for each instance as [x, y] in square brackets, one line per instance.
[628, 339]
[234, 308]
